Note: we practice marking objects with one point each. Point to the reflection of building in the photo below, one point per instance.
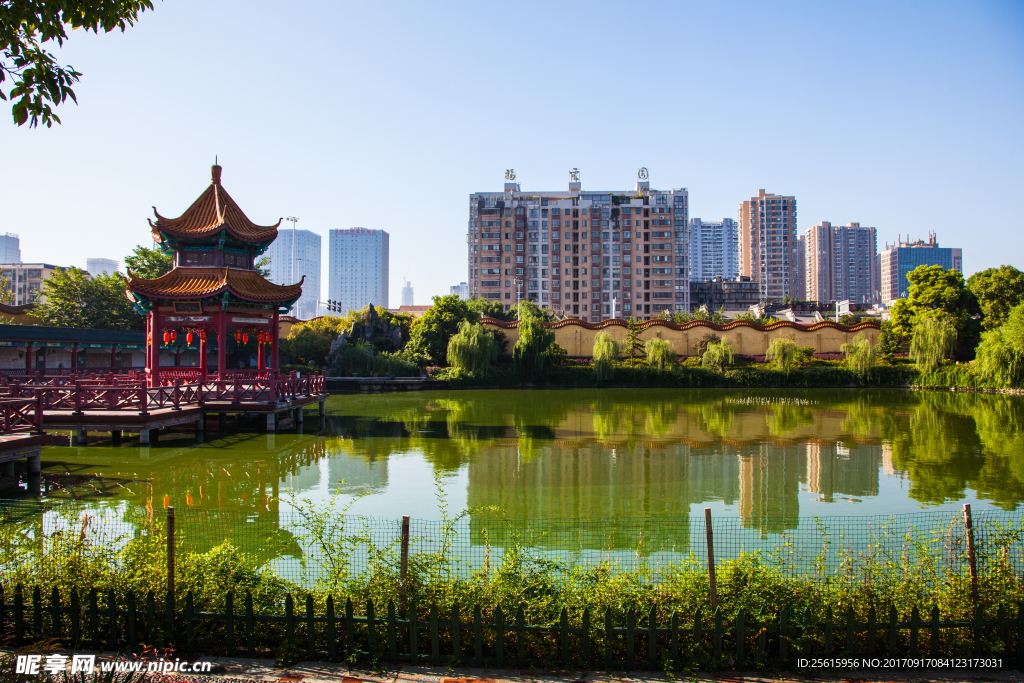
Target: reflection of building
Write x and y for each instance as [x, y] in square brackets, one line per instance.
[848, 470]
[770, 487]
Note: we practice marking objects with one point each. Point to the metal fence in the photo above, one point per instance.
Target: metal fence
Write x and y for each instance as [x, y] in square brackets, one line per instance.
[307, 547]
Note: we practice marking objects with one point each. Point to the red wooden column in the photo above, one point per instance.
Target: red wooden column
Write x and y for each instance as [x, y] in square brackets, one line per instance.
[273, 342]
[113, 356]
[28, 358]
[74, 357]
[260, 353]
[222, 345]
[154, 365]
[202, 355]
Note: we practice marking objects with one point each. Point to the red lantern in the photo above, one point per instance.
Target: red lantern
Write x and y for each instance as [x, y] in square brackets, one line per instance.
[167, 338]
[174, 336]
[188, 338]
[238, 336]
[245, 338]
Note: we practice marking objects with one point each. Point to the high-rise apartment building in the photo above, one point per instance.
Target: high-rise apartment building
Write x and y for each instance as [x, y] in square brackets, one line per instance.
[407, 295]
[714, 249]
[586, 254]
[293, 255]
[768, 244]
[10, 248]
[25, 281]
[460, 290]
[358, 268]
[98, 266]
[801, 270]
[899, 259]
[840, 263]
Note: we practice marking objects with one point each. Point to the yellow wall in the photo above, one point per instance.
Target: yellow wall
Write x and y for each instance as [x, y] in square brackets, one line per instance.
[746, 339]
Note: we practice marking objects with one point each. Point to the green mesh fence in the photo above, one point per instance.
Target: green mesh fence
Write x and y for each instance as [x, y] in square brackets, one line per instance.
[310, 549]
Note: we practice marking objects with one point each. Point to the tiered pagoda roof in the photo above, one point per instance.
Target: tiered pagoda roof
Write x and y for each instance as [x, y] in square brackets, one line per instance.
[212, 213]
[193, 283]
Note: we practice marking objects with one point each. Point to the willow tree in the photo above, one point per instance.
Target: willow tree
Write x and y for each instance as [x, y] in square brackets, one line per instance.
[717, 355]
[473, 349]
[782, 353]
[1000, 356]
[933, 342]
[861, 356]
[531, 355]
[606, 352]
[660, 353]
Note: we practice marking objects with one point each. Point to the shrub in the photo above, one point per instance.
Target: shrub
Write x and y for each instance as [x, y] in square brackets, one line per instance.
[717, 356]
[531, 355]
[861, 356]
[705, 341]
[782, 353]
[606, 351]
[473, 349]
[660, 354]
[933, 342]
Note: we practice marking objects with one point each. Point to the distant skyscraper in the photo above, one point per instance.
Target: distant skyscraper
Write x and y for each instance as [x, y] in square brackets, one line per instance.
[10, 248]
[98, 266]
[407, 296]
[768, 244]
[461, 290]
[358, 267]
[899, 259]
[713, 250]
[840, 263]
[288, 266]
[800, 294]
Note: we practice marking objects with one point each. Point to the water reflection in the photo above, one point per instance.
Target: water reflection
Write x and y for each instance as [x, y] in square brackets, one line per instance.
[770, 457]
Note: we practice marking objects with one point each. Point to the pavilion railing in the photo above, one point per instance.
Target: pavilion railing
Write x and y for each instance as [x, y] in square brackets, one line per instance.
[21, 415]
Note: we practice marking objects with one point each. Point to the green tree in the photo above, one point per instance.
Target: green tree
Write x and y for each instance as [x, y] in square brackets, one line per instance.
[488, 308]
[634, 344]
[39, 82]
[6, 290]
[933, 342]
[660, 353]
[1000, 357]
[935, 292]
[529, 308]
[861, 356]
[531, 356]
[849, 319]
[889, 343]
[73, 299]
[473, 349]
[148, 263]
[262, 265]
[782, 353]
[717, 355]
[431, 333]
[306, 345]
[998, 291]
[605, 353]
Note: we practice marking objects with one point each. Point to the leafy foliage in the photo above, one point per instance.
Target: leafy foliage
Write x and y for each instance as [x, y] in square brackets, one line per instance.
[849, 319]
[934, 342]
[889, 343]
[39, 82]
[73, 299]
[660, 354]
[431, 333]
[634, 345]
[861, 356]
[363, 358]
[473, 350]
[705, 341]
[1000, 355]
[487, 308]
[148, 263]
[717, 356]
[782, 353]
[262, 266]
[310, 342]
[717, 317]
[605, 353]
[935, 292]
[998, 291]
[531, 355]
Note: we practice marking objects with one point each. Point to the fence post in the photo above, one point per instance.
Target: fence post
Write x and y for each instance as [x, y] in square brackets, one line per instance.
[971, 558]
[405, 562]
[711, 560]
[170, 552]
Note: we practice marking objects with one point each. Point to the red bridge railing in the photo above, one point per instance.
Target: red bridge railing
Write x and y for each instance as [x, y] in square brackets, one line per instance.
[21, 415]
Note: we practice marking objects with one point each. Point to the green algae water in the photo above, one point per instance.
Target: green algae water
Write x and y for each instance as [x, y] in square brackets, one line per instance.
[583, 454]
[604, 470]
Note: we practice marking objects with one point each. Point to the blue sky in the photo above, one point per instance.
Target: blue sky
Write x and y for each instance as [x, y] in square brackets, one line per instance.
[906, 116]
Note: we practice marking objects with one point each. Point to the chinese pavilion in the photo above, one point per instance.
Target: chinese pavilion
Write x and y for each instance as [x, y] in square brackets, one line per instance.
[213, 288]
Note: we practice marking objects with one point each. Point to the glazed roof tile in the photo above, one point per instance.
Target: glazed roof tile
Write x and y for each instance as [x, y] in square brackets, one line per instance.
[212, 212]
[192, 283]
